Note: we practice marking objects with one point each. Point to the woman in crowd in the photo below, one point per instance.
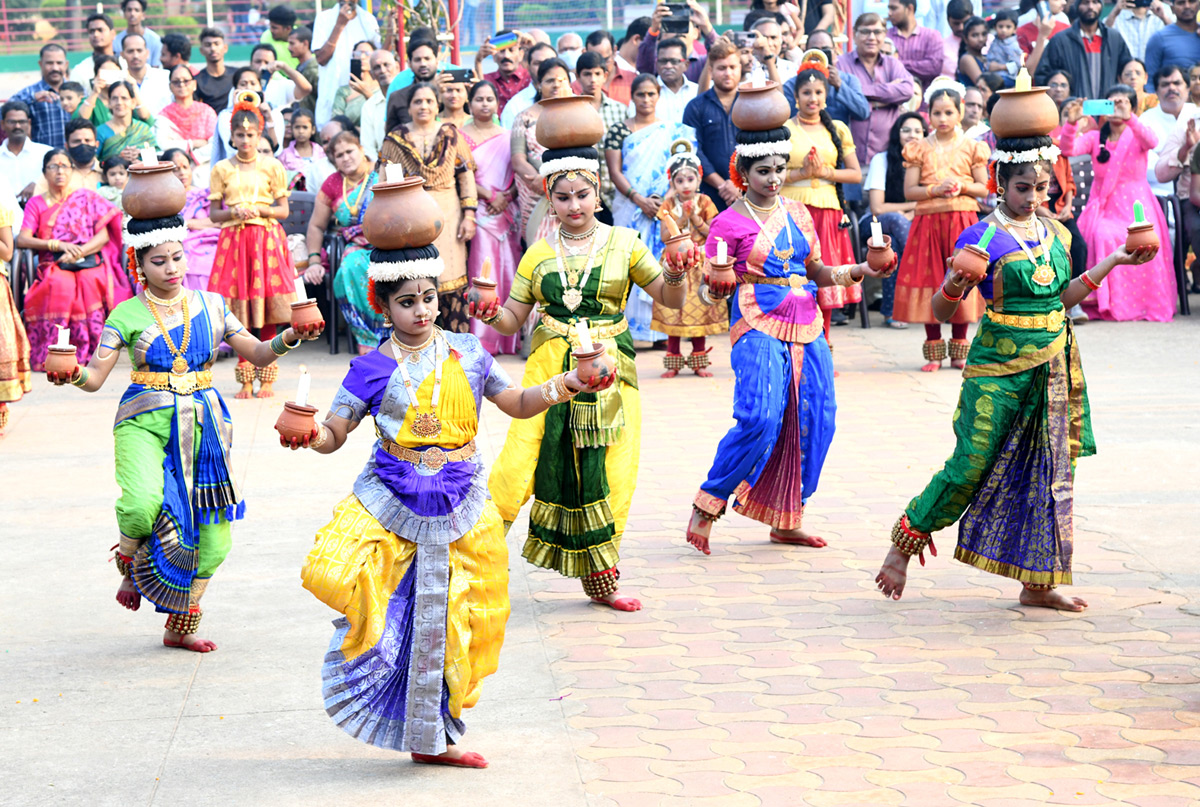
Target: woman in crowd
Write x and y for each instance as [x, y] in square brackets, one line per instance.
[15, 375]
[579, 461]
[884, 186]
[200, 243]
[341, 204]
[1120, 150]
[349, 99]
[304, 154]
[1133, 74]
[123, 135]
[770, 461]
[636, 152]
[186, 123]
[454, 104]
[553, 81]
[822, 160]
[946, 175]
[1058, 86]
[1022, 418]
[245, 80]
[496, 236]
[439, 155]
[95, 107]
[77, 236]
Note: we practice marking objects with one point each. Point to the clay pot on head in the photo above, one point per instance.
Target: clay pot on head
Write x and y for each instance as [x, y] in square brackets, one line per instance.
[595, 364]
[153, 191]
[295, 421]
[481, 292]
[721, 272]
[569, 123]
[1024, 113]
[972, 262]
[879, 258]
[757, 109]
[1141, 235]
[402, 215]
[61, 360]
[306, 313]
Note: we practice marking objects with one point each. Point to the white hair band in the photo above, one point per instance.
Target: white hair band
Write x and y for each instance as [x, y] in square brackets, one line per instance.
[568, 164]
[1048, 153]
[753, 150]
[387, 271]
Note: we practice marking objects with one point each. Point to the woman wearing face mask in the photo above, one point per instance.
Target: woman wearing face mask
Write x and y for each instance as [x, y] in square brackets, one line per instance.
[770, 461]
[173, 432]
[441, 156]
[579, 461]
[124, 135]
[245, 79]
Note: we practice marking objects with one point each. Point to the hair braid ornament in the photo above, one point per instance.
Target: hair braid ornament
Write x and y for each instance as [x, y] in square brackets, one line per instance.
[814, 59]
[248, 101]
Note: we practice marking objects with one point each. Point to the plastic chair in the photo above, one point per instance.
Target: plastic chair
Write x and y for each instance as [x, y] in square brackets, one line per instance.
[22, 273]
[1173, 210]
[860, 255]
[1082, 171]
[335, 248]
[300, 210]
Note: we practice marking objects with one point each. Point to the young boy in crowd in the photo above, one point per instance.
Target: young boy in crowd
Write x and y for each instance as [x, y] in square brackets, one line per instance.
[1004, 54]
[71, 95]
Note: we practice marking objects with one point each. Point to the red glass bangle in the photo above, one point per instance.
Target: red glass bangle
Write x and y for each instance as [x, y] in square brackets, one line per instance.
[957, 299]
[1087, 281]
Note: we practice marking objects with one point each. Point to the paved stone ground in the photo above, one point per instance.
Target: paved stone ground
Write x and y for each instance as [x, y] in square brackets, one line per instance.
[760, 675]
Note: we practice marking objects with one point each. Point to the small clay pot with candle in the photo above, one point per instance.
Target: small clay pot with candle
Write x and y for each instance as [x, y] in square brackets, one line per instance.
[1141, 235]
[676, 245]
[594, 365]
[721, 272]
[305, 314]
[972, 262]
[296, 422]
[481, 292]
[880, 258]
[62, 361]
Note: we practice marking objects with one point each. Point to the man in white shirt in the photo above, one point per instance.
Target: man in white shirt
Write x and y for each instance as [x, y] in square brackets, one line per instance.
[101, 34]
[1136, 24]
[335, 32]
[285, 85]
[154, 83]
[373, 126]
[20, 157]
[1172, 88]
[768, 44]
[524, 97]
[627, 51]
[674, 88]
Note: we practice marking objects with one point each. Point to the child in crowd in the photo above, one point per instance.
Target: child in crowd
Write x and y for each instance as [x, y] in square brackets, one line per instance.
[1004, 54]
[70, 95]
[971, 62]
[303, 154]
[115, 173]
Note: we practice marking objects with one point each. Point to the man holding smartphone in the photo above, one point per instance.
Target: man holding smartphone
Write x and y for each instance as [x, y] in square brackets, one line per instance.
[1137, 21]
[334, 34]
[510, 76]
[1090, 51]
[700, 26]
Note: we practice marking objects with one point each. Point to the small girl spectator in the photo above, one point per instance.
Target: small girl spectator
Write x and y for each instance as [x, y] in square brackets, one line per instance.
[971, 63]
[303, 155]
[115, 173]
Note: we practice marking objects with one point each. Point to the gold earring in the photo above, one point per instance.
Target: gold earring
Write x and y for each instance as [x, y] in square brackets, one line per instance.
[387, 321]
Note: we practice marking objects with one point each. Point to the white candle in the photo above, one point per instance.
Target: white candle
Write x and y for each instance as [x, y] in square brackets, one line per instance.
[486, 272]
[149, 156]
[583, 335]
[99, 8]
[758, 77]
[64, 335]
[393, 172]
[301, 294]
[876, 233]
[722, 251]
[303, 386]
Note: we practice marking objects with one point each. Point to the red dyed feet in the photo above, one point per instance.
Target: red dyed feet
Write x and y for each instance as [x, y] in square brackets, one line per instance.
[958, 364]
[127, 594]
[1052, 599]
[619, 603]
[698, 531]
[188, 641]
[453, 757]
[797, 538]
[932, 367]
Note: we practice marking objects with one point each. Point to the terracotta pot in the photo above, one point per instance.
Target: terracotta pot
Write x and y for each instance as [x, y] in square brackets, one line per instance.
[296, 421]
[594, 364]
[569, 123]
[972, 262]
[721, 272]
[481, 292]
[676, 245]
[153, 191]
[402, 215]
[879, 258]
[1024, 113]
[62, 361]
[305, 314]
[760, 108]
[1141, 235]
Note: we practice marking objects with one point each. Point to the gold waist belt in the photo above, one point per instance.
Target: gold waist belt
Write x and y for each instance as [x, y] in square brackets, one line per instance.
[179, 383]
[1052, 322]
[432, 458]
[795, 281]
[607, 331]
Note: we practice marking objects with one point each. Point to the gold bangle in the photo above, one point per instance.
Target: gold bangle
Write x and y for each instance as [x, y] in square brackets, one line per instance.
[322, 436]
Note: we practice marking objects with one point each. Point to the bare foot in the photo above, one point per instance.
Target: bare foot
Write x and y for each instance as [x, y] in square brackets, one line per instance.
[127, 594]
[700, 371]
[188, 641]
[1051, 598]
[669, 374]
[618, 602]
[247, 391]
[797, 537]
[958, 364]
[698, 531]
[893, 574]
[453, 756]
[266, 390]
[932, 367]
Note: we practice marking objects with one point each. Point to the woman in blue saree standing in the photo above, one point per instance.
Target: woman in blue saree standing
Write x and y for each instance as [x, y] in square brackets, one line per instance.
[783, 400]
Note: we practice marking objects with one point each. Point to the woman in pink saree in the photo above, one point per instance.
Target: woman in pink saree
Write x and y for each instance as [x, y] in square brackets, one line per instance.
[1119, 152]
[496, 235]
[77, 236]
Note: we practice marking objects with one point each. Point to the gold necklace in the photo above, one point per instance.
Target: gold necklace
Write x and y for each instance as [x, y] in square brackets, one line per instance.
[766, 211]
[253, 159]
[160, 301]
[572, 295]
[1043, 273]
[354, 208]
[784, 255]
[414, 350]
[425, 424]
[179, 365]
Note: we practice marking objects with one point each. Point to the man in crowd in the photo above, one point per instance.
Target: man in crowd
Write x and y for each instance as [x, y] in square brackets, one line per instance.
[700, 25]
[592, 71]
[973, 123]
[1091, 52]
[280, 21]
[520, 102]
[176, 50]
[135, 23]
[307, 65]
[81, 143]
[569, 46]
[886, 84]
[49, 117]
[423, 61]
[20, 157]
[675, 90]
[1136, 23]
[919, 49]
[286, 84]
[1171, 85]
[627, 49]
[214, 82]
[1178, 43]
[1176, 164]
[620, 82]
[768, 44]
[373, 125]
[510, 75]
[101, 34]
[334, 34]
[1027, 34]
[957, 12]
[405, 76]
[153, 83]
[708, 115]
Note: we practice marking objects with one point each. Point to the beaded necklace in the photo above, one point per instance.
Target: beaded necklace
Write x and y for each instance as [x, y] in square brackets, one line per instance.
[572, 293]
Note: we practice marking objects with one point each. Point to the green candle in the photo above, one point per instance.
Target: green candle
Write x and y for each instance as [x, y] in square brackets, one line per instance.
[1139, 215]
[987, 236]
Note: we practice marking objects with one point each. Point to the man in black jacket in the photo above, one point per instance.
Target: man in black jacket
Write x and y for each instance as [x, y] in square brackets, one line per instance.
[1090, 51]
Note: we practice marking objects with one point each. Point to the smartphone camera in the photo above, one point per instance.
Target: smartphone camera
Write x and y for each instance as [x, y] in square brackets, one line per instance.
[679, 21]
[356, 66]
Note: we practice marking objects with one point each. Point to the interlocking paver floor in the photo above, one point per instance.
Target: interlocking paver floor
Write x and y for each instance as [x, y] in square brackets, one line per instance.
[759, 675]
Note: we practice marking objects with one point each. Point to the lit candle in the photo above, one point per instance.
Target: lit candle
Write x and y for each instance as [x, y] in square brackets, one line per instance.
[64, 337]
[486, 272]
[583, 335]
[301, 293]
[1139, 214]
[876, 232]
[722, 251]
[393, 172]
[149, 156]
[303, 386]
[1024, 83]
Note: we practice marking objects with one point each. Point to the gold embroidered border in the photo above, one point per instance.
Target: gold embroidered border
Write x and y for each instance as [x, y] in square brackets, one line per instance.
[1009, 570]
[1019, 364]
